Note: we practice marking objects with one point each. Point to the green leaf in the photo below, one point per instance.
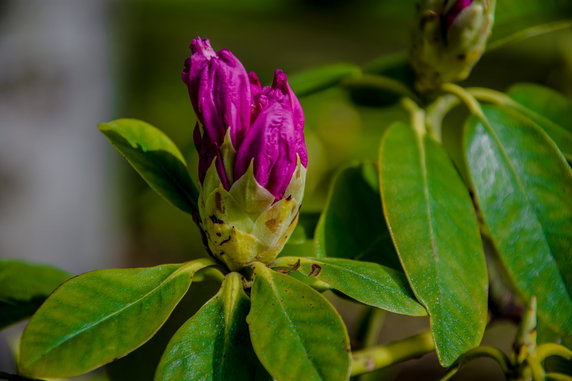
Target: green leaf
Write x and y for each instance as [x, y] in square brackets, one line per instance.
[523, 187]
[24, 287]
[514, 16]
[435, 231]
[549, 109]
[214, 344]
[99, 316]
[156, 158]
[369, 283]
[295, 332]
[352, 224]
[311, 81]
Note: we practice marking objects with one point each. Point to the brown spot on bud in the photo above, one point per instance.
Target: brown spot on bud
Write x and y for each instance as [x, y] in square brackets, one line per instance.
[272, 225]
[218, 203]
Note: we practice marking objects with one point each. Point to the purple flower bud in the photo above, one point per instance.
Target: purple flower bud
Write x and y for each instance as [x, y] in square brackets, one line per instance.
[453, 9]
[265, 123]
[219, 89]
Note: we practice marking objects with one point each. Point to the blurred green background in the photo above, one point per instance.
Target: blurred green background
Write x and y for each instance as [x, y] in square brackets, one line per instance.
[143, 47]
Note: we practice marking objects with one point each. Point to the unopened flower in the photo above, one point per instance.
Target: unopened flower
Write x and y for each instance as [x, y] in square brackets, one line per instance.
[252, 156]
[449, 37]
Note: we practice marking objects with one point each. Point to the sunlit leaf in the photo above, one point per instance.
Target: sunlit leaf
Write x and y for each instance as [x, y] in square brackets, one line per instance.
[434, 227]
[523, 187]
[366, 282]
[99, 316]
[214, 344]
[296, 333]
[156, 158]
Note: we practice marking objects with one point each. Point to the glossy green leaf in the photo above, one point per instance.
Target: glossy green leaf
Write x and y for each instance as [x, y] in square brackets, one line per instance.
[24, 287]
[352, 224]
[156, 158]
[434, 227]
[523, 187]
[314, 80]
[99, 316]
[214, 344]
[369, 283]
[296, 333]
[549, 109]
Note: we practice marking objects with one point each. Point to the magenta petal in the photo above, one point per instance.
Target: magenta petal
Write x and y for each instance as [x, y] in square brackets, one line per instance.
[453, 12]
[270, 142]
[281, 82]
[266, 124]
[219, 88]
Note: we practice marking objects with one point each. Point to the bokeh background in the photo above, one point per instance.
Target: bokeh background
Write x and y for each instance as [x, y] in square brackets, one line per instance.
[67, 199]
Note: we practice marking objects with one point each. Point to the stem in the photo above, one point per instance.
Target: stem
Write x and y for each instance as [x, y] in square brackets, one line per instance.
[374, 326]
[417, 115]
[484, 351]
[550, 349]
[437, 111]
[465, 97]
[197, 264]
[216, 272]
[493, 96]
[381, 356]
[380, 82]
[536, 369]
[374, 323]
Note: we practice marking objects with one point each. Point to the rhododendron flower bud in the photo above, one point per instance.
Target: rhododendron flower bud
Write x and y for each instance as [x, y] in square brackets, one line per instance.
[449, 37]
[252, 156]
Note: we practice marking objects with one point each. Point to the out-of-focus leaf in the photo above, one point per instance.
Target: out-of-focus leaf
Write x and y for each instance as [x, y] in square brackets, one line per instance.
[317, 79]
[434, 227]
[100, 316]
[352, 224]
[366, 282]
[549, 109]
[513, 16]
[24, 287]
[523, 187]
[214, 344]
[156, 158]
[296, 333]
[385, 81]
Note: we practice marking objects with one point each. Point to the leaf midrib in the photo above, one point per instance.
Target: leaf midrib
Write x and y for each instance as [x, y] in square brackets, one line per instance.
[372, 280]
[351, 271]
[518, 181]
[292, 325]
[429, 214]
[187, 194]
[107, 317]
